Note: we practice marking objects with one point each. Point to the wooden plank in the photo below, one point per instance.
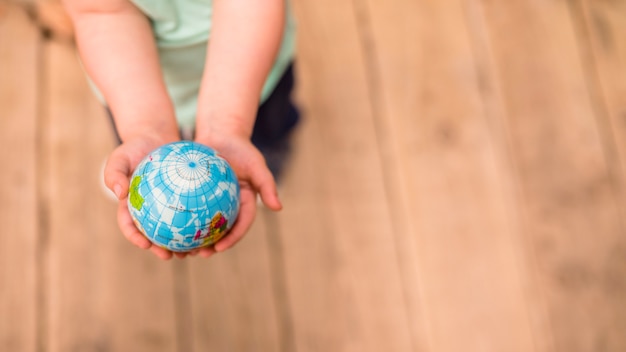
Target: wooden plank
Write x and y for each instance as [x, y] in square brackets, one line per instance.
[472, 266]
[104, 293]
[232, 300]
[19, 43]
[371, 25]
[341, 265]
[570, 214]
[601, 26]
[52, 16]
[317, 293]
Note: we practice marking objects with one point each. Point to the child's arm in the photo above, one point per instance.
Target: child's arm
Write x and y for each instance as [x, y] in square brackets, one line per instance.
[119, 53]
[245, 38]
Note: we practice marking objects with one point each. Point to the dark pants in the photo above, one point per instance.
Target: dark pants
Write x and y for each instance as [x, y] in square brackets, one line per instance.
[277, 116]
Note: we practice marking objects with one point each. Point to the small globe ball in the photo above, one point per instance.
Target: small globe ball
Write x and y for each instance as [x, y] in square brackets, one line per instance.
[183, 196]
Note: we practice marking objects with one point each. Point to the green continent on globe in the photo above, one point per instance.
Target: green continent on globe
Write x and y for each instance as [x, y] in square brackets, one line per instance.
[136, 200]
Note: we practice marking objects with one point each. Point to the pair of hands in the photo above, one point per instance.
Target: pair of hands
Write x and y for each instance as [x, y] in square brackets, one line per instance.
[245, 159]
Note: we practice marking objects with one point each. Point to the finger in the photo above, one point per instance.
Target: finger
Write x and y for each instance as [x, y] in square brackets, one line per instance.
[162, 253]
[243, 223]
[206, 252]
[263, 181]
[128, 228]
[180, 255]
[116, 173]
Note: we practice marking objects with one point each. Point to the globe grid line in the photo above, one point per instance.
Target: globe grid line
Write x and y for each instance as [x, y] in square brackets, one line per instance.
[218, 200]
[175, 180]
[158, 177]
[163, 180]
[169, 184]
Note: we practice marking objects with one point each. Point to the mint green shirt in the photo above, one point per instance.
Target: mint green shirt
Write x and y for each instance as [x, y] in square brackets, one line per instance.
[182, 30]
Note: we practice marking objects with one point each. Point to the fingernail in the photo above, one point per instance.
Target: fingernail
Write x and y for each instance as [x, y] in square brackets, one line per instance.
[117, 189]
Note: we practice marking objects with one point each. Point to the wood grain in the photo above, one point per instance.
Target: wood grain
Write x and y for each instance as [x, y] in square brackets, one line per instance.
[233, 307]
[457, 184]
[341, 263]
[19, 238]
[470, 255]
[570, 210]
[600, 27]
[52, 17]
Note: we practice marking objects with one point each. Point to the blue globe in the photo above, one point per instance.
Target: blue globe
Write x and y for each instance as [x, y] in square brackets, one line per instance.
[183, 196]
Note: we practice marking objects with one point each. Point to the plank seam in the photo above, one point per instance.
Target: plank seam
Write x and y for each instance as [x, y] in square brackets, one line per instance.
[599, 102]
[495, 109]
[284, 315]
[182, 306]
[386, 149]
[42, 170]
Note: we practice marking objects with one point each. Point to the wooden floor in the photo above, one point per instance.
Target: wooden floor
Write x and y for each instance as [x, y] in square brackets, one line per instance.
[458, 185]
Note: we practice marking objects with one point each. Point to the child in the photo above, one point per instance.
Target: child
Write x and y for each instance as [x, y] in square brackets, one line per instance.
[161, 74]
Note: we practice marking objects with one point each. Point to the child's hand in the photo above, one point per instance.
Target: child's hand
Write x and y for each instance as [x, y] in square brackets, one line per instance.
[254, 177]
[117, 172]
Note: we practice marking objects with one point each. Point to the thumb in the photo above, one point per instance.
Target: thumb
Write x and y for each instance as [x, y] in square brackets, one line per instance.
[117, 173]
[263, 181]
